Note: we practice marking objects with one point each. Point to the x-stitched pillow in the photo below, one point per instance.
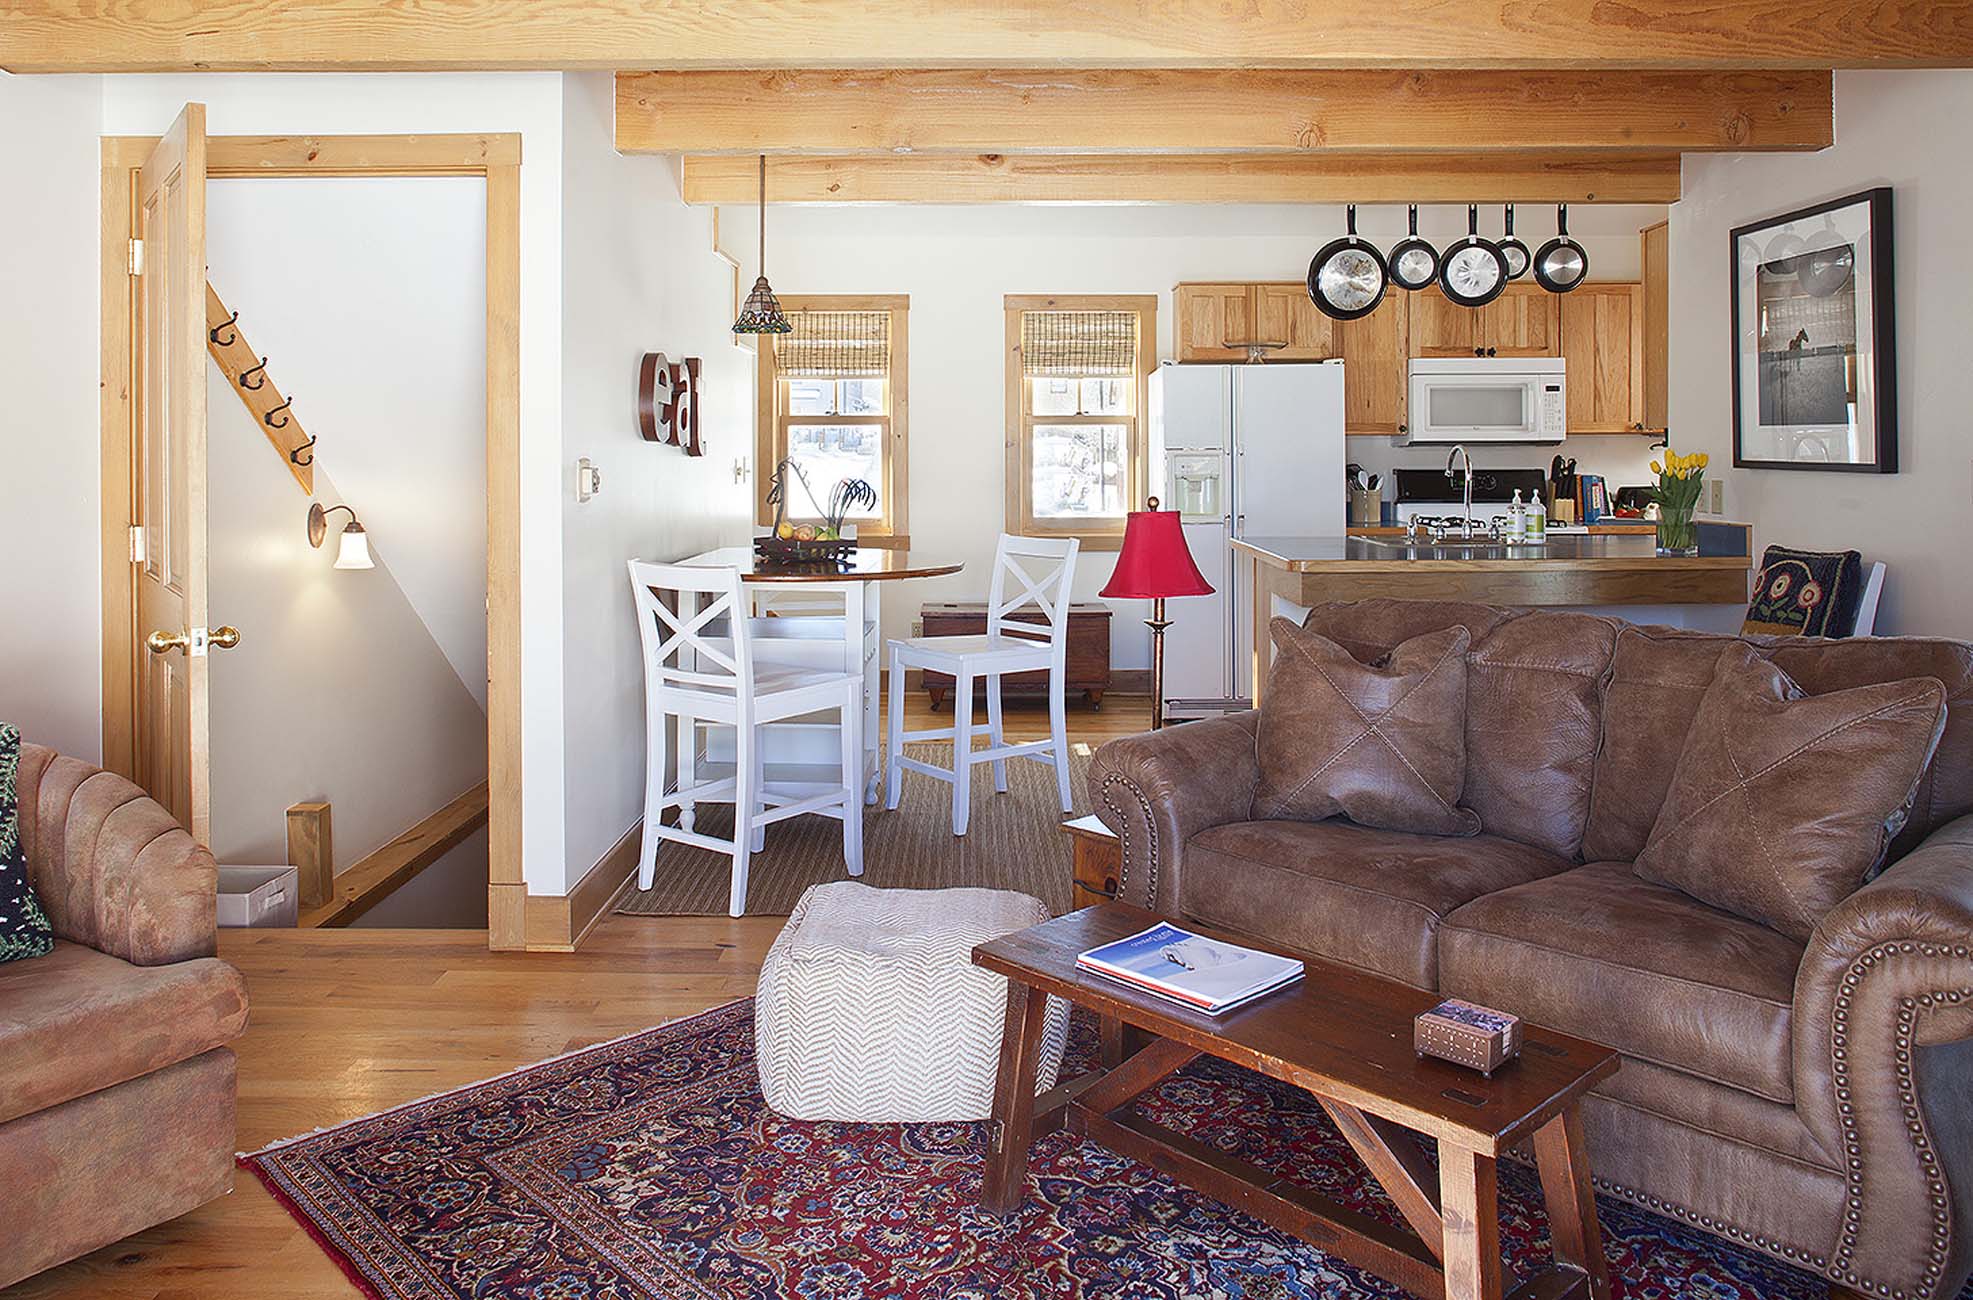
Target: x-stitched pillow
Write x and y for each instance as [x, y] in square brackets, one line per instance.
[1783, 803]
[1383, 744]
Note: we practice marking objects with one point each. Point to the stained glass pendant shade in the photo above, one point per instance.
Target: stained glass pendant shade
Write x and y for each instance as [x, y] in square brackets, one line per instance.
[761, 313]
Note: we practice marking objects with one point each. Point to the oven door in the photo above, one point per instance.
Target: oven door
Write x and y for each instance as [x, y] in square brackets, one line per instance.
[1482, 408]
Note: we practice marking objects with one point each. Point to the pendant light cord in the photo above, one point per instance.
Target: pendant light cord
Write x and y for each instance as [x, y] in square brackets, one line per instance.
[763, 214]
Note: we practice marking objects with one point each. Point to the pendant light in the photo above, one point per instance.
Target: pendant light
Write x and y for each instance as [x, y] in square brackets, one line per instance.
[761, 313]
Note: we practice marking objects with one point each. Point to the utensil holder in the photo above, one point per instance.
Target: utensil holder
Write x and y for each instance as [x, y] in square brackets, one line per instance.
[1366, 507]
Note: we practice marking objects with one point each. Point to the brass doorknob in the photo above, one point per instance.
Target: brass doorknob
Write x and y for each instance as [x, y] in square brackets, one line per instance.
[162, 642]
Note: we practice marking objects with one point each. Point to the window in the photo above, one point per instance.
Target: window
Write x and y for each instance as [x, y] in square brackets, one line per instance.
[1076, 372]
[832, 399]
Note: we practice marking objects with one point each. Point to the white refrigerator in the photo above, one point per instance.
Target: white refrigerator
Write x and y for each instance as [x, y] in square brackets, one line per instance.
[1239, 451]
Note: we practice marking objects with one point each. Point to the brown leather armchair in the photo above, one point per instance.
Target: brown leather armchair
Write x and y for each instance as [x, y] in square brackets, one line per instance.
[116, 1085]
[1807, 1100]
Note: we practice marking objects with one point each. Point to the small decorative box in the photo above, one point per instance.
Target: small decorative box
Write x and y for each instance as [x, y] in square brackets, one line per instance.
[1464, 1033]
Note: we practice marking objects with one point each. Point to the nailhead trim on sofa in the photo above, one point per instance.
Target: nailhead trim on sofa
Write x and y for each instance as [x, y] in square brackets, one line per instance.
[1902, 1053]
[1110, 783]
[1717, 1226]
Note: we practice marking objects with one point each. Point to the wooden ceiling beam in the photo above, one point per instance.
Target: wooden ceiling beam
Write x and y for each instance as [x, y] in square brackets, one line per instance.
[353, 35]
[1493, 177]
[845, 111]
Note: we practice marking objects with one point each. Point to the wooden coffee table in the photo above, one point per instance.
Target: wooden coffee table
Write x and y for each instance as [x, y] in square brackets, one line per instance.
[1345, 1036]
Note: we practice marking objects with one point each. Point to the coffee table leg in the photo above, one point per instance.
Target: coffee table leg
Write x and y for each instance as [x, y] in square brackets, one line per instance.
[1470, 1205]
[1013, 1099]
[1565, 1186]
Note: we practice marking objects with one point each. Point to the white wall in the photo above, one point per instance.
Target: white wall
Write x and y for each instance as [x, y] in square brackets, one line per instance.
[1896, 129]
[958, 262]
[369, 296]
[639, 275]
[50, 586]
[528, 103]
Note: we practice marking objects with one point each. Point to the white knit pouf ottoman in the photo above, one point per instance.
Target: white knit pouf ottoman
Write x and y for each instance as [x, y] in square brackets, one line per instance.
[871, 1011]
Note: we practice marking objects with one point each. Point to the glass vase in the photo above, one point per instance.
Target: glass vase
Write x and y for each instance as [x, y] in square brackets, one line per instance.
[1677, 534]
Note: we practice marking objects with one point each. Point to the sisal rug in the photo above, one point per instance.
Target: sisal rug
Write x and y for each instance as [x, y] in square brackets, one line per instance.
[649, 1169]
[1012, 841]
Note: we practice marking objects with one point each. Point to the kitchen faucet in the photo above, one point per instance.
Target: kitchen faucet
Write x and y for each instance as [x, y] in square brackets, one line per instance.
[1459, 452]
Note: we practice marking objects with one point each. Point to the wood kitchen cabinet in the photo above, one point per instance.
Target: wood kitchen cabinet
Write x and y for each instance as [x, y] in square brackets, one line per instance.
[1222, 321]
[1654, 305]
[1603, 330]
[1376, 352]
[1521, 322]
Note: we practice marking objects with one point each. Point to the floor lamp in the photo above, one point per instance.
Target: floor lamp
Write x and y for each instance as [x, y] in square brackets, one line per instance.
[1155, 563]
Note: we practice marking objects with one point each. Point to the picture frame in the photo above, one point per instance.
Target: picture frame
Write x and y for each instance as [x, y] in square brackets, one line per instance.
[1814, 338]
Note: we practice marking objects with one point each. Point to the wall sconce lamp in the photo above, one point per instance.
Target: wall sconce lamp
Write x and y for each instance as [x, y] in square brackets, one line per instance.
[353, 548]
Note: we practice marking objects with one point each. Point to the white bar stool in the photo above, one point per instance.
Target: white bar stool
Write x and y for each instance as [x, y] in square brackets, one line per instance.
[1009, 646]
[699, 668]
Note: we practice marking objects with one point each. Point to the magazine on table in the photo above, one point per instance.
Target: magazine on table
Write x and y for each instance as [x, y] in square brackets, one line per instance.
[1204, 974]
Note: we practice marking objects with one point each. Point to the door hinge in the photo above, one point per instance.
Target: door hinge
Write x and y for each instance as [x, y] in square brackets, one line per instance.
[137, 257]
[136, 543]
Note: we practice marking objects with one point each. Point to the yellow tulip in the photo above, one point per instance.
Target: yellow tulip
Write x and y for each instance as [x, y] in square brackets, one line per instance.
[1656, 468]
[1704, 460]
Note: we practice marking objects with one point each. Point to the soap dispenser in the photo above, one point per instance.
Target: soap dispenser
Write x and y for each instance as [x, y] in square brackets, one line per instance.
[1517, 519]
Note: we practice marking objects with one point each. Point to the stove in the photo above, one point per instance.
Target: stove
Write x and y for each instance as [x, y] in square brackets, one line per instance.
[1427, 496]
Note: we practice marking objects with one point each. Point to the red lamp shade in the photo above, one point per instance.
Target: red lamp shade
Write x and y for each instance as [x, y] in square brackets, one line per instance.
[1155, 562]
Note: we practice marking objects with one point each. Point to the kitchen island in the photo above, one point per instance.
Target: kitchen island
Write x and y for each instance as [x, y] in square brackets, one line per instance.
[1620, 574]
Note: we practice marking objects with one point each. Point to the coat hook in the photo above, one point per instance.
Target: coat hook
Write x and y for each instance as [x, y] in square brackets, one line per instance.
[281, 423]
[308, 447]
[258, 384]
[213, 333]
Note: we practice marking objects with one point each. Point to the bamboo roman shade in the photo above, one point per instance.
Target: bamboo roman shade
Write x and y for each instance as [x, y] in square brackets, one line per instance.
[836, 344]
[1075, 343]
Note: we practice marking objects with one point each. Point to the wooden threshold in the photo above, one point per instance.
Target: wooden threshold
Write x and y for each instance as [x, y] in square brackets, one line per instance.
[367, 883]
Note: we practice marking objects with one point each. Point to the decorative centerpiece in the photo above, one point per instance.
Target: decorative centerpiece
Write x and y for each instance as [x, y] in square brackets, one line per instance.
[832, 540]
[1680, 480]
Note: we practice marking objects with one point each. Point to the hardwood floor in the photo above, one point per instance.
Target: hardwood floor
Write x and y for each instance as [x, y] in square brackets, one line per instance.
[349, 1022]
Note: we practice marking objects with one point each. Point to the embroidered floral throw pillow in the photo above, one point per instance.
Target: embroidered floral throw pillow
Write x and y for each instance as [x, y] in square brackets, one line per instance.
[24, 928]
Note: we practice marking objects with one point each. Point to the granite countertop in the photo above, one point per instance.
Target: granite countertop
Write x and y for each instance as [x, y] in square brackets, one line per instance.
[1566, 551]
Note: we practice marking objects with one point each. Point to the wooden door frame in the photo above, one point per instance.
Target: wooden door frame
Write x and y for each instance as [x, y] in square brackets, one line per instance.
[496, 158]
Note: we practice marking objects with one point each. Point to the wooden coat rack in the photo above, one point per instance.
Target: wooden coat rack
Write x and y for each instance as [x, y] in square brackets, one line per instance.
[247, 370]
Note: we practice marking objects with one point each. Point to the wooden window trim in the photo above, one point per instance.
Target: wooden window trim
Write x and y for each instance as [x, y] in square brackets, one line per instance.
[894, 531]
[1019, 511]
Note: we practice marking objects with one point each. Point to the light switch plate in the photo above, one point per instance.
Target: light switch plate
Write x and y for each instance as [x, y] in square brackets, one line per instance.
[1715, 497]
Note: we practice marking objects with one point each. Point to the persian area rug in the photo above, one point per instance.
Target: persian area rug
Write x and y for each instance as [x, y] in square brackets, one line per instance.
[1013, 841]
[649, 1169]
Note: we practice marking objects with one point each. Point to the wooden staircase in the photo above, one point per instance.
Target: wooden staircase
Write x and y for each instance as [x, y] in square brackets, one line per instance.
[331, 898]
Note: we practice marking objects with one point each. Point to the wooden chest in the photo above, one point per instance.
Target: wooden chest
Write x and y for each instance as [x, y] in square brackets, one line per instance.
[1088, 668]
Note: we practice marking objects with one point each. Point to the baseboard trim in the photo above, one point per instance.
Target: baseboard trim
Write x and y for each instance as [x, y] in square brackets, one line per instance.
[560, 923]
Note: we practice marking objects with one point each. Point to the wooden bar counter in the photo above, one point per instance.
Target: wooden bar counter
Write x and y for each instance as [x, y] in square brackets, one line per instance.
[1571, 570]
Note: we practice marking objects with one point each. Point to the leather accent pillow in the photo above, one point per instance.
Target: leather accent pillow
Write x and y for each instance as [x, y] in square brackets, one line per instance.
[1383, 744]
[1782, 804]
[24, 929]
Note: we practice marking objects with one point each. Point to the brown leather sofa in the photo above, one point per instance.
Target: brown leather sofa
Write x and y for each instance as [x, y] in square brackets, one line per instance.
[1813, 1101]
[116, 1085]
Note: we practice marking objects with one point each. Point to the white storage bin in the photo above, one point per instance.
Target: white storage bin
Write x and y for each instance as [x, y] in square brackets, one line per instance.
[258, 897]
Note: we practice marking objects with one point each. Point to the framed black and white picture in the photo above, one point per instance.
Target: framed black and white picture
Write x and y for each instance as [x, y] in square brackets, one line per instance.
[1814, 353]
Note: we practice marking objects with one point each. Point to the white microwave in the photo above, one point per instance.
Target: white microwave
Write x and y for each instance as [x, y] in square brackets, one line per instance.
[1487, 399]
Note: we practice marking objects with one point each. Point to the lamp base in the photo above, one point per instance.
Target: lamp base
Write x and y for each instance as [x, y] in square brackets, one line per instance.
[1157, 623]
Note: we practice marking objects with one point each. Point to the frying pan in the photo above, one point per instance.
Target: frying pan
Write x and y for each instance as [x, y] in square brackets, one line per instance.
[1561, 264]
[1347, 278]
[1514, 250]
[1472, 272]
[1414, 262]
